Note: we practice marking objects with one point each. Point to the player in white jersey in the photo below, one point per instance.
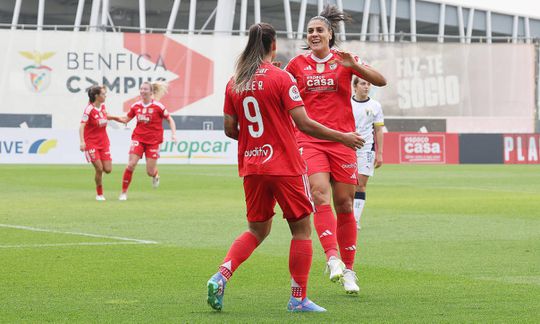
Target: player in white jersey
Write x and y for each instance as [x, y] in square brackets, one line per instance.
[369, 120]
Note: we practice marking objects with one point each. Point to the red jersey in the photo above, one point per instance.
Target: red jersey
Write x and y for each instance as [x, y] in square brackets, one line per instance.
[95, 131]
[266, 140]
[149, 129]
[325, 87]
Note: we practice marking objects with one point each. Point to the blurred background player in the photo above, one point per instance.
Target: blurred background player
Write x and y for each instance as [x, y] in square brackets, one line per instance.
[93, 136]
[148, 133]
[260, 100]
[369, 120]
[324, 76]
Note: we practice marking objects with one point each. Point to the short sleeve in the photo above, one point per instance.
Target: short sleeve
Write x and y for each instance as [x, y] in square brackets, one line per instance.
[378, 119]
[86, 115]
[228, 106]
[131, 113]
[290, 95]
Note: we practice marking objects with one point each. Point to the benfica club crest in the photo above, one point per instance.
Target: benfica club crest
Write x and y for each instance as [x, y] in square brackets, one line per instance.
[37, 77]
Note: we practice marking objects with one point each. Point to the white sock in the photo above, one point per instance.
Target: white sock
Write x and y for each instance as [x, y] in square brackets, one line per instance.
[358, 206]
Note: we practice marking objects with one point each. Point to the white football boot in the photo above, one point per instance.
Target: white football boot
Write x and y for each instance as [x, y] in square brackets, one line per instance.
[350, 282]
[100, 198]
[335, 266]
[155, 182]
[123, 196]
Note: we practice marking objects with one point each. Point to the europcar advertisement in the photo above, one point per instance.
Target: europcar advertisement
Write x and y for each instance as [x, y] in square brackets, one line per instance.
[62, 147]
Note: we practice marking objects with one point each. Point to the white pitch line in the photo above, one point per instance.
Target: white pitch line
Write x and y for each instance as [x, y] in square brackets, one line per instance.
[34, 229]
[64, 244]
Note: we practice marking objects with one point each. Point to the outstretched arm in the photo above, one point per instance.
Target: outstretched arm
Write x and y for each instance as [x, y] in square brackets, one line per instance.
[313, 128]
[119, 119]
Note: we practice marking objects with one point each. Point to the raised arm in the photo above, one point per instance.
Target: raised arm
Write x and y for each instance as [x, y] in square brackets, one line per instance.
[313, 128]
[368, 73]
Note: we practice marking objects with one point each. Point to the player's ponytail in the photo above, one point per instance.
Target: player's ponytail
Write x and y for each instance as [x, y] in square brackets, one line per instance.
[93, 92]
[261, 37]
[159, 89]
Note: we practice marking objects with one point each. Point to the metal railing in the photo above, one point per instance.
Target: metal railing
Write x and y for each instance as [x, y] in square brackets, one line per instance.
[371, 37]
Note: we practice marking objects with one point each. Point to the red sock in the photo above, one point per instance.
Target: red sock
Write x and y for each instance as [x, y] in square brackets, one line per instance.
[300, 256]
[346, 236]
[325, 225]
[99, 190]
[239, 251]
[126, 179]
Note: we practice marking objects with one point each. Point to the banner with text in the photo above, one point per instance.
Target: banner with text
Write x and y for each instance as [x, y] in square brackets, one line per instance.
[48, 146]
[476, 88]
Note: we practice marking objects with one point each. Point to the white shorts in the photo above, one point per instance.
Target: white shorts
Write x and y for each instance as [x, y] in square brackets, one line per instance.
[366, 162]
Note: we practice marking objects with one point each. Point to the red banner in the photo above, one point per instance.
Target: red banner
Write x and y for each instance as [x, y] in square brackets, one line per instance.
[521, 148]
[420, 148]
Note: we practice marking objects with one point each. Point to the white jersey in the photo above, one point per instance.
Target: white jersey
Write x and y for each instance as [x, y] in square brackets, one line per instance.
[367, 115]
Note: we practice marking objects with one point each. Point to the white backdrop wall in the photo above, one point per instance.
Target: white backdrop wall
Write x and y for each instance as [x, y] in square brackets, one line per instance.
[475, 88]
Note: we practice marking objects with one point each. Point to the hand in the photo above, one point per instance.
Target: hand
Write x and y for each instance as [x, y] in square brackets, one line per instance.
[173, 138]
[378, 161]
[277, 64]
[346, 58]
[82, 147]
[353, 140]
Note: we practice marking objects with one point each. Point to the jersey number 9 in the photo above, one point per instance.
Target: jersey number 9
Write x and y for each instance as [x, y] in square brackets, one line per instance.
[250, 103]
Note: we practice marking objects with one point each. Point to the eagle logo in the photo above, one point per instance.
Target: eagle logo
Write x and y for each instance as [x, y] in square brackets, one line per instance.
[37, 77]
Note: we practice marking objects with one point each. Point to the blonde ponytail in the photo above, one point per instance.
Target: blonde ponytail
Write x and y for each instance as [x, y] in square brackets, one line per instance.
[159, 89]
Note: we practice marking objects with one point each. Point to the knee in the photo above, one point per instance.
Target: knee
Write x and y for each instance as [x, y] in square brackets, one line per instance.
[320, 196]
[99, 169]
[150, 173]
[260, 234]
[343, 205]
[361, 188]
[107, 169]
[131, 166]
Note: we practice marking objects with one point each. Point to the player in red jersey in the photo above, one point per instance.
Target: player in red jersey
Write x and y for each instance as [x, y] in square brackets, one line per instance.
[93, 136]
[148, 132]
[324, 77]
[260, 101]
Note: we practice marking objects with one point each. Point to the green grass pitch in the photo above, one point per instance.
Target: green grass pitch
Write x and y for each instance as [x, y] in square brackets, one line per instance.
[450, 244]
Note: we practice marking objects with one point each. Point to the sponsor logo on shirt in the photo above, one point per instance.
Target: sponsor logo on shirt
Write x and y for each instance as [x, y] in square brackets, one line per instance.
[265, 151]
[143, 118]
[349, 166]
[322, 82]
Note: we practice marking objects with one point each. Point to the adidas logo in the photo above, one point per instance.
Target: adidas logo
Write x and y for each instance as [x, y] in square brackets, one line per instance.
[351, 248]
[353, 176]
[325, 233]
[308, 68]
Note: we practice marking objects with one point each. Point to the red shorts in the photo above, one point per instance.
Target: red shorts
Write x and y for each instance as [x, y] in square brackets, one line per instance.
[150, 150]
[330, 157]
[290, 192]
[94, 154]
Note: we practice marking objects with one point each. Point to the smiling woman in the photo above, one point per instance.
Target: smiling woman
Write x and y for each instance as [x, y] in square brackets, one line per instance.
[324, 77]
